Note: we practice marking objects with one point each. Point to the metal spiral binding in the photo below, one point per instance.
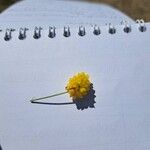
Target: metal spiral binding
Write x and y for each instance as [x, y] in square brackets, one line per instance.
[81, 31]
[8, 34]
[112, 29]
[22, 33]
[142, 26]
[67, 33]
[96, 30]
[127, 27]
[52, 32]
[37, 33]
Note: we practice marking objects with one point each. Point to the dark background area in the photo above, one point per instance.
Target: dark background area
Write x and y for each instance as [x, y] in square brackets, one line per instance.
[136, 9]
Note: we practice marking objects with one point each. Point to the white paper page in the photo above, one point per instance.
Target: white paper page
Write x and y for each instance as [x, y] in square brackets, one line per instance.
[119, 69]
[30, 13]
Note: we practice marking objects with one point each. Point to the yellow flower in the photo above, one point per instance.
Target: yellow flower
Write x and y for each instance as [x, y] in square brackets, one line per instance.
[78, 86]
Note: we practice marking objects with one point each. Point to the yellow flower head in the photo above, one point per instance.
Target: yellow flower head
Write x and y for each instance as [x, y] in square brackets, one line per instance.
[78, 86]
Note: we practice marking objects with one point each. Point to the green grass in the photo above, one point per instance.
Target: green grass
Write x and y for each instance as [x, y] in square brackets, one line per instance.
[6, 3]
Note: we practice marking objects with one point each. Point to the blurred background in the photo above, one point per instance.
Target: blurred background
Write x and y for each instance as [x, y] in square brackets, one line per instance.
[136, 9]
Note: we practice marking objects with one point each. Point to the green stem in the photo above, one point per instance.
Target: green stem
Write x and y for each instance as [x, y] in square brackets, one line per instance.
[36, 99]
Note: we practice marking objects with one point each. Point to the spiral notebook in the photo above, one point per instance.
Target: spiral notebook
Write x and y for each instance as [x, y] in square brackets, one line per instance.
[38, 61]
[59, 13]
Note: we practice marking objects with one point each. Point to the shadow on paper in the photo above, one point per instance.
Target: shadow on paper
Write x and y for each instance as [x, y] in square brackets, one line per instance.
[87, 101]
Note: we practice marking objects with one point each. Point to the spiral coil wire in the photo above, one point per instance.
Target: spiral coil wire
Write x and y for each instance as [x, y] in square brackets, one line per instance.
[67, 31]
